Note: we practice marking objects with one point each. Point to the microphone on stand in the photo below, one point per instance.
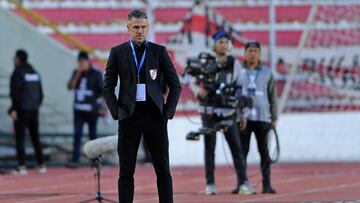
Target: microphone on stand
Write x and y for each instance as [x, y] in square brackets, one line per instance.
[97, 147]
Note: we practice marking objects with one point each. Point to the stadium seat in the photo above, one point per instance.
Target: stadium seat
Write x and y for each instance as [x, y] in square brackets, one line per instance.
[82, 15]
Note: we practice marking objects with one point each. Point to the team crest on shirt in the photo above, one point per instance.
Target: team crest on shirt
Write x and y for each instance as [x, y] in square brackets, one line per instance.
[153, 74]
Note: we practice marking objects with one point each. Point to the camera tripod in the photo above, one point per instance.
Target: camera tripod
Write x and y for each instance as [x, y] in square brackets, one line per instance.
[99, 197]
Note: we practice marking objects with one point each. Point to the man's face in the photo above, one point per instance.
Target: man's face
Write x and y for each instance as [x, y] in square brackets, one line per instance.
[138, 29]
[252, 54]
[84, 64]
[16, 61]
[222, 46]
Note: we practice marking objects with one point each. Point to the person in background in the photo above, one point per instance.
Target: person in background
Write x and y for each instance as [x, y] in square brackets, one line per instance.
[26, 97]
[229, 75]
[259, 83]
[87, 83]
[281, 67]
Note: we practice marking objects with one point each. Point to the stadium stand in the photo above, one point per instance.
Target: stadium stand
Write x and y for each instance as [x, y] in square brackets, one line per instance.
[93, 15]
[101, 24]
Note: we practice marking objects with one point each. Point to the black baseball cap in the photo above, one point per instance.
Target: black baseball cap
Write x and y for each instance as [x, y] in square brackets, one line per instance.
[252, 44]
[22, 55]
[83, 55]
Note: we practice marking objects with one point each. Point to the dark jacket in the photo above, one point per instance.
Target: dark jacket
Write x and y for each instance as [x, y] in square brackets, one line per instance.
[88, 90]
[25, 89]
[121, 65]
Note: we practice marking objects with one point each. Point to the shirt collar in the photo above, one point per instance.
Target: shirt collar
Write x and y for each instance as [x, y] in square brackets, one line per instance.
[256, 68]
[141, 46]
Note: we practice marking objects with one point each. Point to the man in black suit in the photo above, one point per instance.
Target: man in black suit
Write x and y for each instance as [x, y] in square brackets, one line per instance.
[144, 68]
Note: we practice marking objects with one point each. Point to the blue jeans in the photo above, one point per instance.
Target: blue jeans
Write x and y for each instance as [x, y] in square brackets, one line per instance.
[80, 118]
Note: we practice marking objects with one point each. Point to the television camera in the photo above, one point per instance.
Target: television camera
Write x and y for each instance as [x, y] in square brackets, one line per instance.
[205, 70]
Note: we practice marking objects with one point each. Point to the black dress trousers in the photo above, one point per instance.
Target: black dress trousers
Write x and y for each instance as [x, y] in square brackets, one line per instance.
[147, 121]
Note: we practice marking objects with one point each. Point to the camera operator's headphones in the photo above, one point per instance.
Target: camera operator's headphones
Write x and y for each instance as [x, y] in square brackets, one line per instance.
[218, 35]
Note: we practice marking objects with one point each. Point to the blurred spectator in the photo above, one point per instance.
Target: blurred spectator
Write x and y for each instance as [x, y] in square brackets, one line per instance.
[26, 97]
[259, 84]
[212, 116]
[87, 83]
[281, 72]
[281, 68]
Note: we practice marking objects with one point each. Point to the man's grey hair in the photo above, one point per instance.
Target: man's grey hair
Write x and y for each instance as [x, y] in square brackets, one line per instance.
[137, 14]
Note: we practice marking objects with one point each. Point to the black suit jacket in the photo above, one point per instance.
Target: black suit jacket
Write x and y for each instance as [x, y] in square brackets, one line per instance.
[121, 65]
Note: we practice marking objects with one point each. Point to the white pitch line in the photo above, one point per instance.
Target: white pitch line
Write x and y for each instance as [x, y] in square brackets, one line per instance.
[305, 191]
[152, 185]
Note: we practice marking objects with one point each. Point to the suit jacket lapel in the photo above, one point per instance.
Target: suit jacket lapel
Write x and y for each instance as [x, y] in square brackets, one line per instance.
[132, 64]
[148, 59]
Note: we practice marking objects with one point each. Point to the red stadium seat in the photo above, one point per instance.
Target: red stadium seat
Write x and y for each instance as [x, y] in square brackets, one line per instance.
[98, 41]
[67, 15]
[166, 15]
[244, 13]
[284, 38]
[106, 41]
[261, 13]
[338, 12]
[162, 37]
[292, 13]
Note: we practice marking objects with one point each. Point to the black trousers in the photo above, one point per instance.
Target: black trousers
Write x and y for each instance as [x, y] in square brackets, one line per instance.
[233, 140]
[80, 118]
[27, 120]
[261, 130]
[146, 121]
[147, 156]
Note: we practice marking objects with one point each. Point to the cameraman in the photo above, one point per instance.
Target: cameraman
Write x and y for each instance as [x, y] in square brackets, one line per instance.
[259, 84]
[229, 74]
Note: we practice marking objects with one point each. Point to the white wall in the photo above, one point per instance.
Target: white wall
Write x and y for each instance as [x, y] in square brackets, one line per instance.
[52, 60]
[304, 137]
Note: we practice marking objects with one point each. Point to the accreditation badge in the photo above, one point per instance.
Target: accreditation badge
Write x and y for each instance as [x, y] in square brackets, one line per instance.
[140, 92]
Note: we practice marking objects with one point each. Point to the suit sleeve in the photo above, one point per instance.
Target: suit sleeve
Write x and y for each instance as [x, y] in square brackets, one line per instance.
[99, 83]
[172, 81]
[272, 98]
[110, 82]
[16, 84]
